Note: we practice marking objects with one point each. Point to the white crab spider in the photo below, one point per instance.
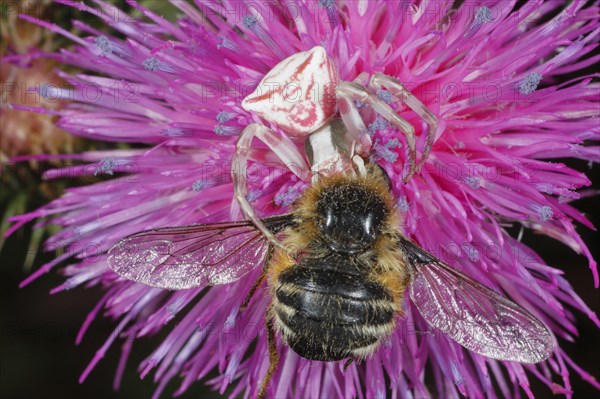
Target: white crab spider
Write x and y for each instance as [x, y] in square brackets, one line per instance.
[302, 95]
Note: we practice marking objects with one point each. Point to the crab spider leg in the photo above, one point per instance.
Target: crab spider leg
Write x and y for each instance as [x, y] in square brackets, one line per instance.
[348, 91]
[285, 150]
[354, 124]
[397, 89]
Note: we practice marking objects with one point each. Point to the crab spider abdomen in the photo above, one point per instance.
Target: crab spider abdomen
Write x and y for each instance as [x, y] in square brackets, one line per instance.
[298, 94]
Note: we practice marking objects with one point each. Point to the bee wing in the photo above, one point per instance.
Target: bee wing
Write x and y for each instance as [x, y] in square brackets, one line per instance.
[186, 257]
[473, 315]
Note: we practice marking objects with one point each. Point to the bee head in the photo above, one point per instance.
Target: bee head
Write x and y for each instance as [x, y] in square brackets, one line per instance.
[350, 217]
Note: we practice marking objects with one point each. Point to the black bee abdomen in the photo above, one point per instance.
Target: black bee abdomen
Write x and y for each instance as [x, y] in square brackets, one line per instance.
[327, 314]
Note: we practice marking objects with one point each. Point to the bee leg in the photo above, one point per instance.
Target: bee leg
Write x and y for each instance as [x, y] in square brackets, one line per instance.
[257, 284]
[348, 91]
[348, 363]
[259, 281]
[273, 355]
[398, 90]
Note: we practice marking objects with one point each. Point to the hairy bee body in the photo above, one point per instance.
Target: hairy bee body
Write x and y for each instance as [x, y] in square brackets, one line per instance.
[338, 294]
[326, 313]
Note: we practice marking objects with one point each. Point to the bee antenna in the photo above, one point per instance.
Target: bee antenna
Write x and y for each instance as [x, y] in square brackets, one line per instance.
[348, 363]
[384, 175]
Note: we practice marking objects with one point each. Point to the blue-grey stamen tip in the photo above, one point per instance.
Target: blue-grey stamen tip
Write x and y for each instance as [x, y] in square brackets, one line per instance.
[546, 213]
[104, 44]
[328, 4]
[484, 15]
[219, 130]
[151, 64]
[198, 185]
[249, 21]
[106, 165]
[224, 116]
[474, 182]
[402, 204]
[384, 95]
[530, 83]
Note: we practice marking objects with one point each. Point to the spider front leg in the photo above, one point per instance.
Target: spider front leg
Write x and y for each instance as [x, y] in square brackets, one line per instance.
[283, 148]
[396, 88]
[348, 91]
[354, 124]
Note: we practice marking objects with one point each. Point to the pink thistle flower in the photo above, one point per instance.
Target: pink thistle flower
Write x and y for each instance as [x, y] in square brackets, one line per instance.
[491, 72]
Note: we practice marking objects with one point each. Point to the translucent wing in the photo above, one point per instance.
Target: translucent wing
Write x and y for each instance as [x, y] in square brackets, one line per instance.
[473, 315]
[185, 257]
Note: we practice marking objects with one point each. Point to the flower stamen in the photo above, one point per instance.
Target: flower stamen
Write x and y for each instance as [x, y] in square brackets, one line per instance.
[250, 22]
[106, 165]
[104, 44]
[484, 15]
[222, 130]
[225, 116]
[151, 64]
[530, 83]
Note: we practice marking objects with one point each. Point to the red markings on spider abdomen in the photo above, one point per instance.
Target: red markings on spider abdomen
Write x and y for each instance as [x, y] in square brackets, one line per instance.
[298, 94]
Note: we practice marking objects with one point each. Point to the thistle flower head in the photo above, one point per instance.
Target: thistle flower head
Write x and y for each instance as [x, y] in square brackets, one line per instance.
[494, 77]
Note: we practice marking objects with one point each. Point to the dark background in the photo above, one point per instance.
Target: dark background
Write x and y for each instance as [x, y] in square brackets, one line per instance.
[39, 359]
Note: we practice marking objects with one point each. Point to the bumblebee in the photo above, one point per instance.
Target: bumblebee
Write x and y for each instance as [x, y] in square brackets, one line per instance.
[338, 281]
[337, 294]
